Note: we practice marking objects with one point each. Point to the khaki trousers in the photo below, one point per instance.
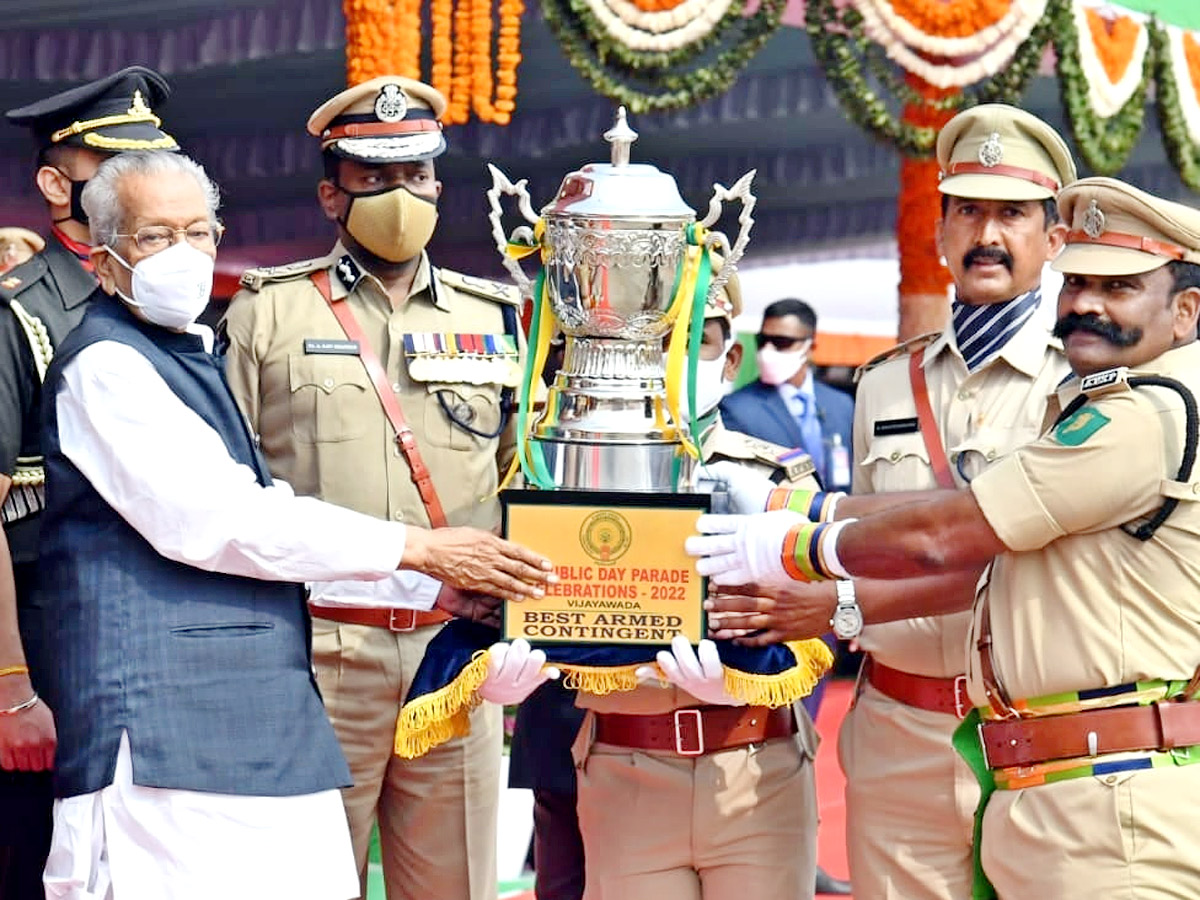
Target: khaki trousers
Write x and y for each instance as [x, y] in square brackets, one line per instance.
[1121, 836]
[739, 824]
[910, 803]
[436, 814]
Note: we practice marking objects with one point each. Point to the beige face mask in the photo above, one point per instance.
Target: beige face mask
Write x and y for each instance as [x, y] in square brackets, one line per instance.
[394, 224]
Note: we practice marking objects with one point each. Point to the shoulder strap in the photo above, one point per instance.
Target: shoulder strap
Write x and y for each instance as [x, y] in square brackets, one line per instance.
[387, 399]
[928, 424]
[38, 337]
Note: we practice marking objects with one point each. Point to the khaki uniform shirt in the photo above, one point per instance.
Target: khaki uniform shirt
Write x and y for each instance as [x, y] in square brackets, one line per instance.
[761, 456]
[322, 427]
[981, 416]
[1078, 603]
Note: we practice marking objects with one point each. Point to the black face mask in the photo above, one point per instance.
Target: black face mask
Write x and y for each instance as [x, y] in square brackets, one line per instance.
[77, 212]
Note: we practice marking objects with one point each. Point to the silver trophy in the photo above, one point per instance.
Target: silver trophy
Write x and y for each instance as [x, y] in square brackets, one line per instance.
[613, 244]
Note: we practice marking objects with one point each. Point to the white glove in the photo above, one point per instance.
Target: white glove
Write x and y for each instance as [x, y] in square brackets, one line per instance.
[702, 676]
[748, 489]
[514, 672]
[743, 549]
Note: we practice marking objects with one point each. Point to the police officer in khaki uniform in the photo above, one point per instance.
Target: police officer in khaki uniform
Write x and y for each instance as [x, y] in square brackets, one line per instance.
[934, 412]
[1084, 641]
[44, 289]
[733, 820]
[331, 359]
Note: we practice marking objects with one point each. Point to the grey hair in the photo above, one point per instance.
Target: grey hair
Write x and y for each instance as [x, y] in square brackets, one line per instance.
[102, 199]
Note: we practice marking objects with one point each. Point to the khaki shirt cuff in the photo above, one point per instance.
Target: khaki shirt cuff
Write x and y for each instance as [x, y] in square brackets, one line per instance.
[1012, 507]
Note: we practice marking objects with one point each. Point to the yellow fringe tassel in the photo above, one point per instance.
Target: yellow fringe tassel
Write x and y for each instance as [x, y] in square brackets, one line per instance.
[433, 719]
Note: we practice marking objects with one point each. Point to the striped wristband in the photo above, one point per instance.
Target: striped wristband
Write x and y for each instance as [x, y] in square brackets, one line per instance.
[816, 506]
[810, 551]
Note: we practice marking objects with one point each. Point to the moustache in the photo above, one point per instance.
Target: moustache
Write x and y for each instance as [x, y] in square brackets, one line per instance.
[992, 254]
[1093, 324]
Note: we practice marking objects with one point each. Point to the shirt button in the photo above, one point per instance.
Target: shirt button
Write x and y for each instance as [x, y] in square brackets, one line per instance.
[895, 457]
[396, 387]
[990, 455]
[1111, 779]
[398, 515]
[964, 395]
[328, 382]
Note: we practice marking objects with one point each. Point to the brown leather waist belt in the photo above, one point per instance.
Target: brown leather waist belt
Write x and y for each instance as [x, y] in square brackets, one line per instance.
[696, 731]
[394, 619]
[941, 695]
[1165, 725]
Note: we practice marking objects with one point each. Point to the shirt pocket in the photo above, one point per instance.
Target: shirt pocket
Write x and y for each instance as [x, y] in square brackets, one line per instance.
[332, 400]
[461, 416]
[977, 451]
[898, 462]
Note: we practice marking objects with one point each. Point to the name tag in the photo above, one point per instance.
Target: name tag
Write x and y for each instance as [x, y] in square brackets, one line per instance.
[884, 427]
[330, 348]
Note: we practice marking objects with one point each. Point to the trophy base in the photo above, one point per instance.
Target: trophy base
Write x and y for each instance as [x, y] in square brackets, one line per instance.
[596, 466]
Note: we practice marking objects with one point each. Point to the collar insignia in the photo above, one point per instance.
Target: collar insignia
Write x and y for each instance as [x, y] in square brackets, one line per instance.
[1093, 221]
[991, 151]
[391, 104]
[348, 272]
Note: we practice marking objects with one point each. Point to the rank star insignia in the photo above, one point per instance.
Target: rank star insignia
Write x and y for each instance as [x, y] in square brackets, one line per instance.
[10, 283]
[1093, 221]
[991, 151]
[347, 272]
[391, 104]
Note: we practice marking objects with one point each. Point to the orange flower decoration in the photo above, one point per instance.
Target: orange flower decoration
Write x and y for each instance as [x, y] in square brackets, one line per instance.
[1115, 41]
[951, 18]
[1191, 51]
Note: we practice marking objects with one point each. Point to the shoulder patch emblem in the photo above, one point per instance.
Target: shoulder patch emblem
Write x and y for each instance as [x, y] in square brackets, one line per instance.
[1080, 426]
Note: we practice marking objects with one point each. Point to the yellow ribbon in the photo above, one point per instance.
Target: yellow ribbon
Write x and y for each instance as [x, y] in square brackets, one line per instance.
[680, 314]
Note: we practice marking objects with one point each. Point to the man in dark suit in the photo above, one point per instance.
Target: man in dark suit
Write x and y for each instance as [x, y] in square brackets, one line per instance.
[787, 405]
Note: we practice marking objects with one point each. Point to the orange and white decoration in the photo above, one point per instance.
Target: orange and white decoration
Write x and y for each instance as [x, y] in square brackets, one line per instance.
[1113, 52]
[950, 45]
[384, 37]
[1184, 49]
[658, 25]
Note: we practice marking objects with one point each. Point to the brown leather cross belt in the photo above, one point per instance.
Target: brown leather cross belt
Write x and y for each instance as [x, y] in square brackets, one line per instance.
[1165, 725]
[394, 619]
[697, 730]
[941, 695]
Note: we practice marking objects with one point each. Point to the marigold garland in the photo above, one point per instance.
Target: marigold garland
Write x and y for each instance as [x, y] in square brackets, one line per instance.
[1182, 150]
[960, 19]
[383, 37]
[1115, 41]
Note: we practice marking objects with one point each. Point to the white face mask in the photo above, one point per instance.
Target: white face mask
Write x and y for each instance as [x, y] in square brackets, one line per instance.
[778, 366]
[711, 386]
[170, 288]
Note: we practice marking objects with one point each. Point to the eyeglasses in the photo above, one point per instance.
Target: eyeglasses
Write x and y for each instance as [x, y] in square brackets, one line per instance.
[155, 238]
[780, 342]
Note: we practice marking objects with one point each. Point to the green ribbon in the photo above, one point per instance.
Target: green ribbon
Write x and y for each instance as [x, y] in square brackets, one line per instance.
[969, 744]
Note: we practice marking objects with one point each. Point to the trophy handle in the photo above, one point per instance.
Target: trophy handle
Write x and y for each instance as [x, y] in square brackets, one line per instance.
[739, 191]
[501, 185]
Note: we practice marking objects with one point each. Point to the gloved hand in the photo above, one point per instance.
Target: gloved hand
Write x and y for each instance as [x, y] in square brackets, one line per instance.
[700, 674]
[743, 549]
[748, 489]
[514, 672]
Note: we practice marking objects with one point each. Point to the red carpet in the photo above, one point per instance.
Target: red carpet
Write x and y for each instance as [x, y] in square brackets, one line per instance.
[831, 839]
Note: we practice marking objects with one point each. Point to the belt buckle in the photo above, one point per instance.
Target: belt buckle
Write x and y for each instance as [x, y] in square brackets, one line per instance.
[962, 703]
[397, 616]
[681, 715]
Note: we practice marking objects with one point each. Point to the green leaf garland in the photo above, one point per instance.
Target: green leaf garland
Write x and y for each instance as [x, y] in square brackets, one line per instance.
[1182, 151]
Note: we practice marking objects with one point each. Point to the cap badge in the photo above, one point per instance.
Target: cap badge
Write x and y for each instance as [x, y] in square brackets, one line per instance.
[991, 151]
[391, 104]
[1093, 221]
[138, 107]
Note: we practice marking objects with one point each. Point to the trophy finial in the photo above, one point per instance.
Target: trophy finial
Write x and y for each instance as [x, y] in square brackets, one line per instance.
[621, 136]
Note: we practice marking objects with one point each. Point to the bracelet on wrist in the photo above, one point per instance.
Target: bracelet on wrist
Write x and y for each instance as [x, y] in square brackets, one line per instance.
[816, 506]
[14, 670]
[21, 707]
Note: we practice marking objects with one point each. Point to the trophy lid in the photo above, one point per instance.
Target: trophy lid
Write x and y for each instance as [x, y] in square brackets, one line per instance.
[620, 189]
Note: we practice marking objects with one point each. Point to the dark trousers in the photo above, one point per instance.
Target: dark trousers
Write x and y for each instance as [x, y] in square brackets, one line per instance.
[557, 847]
[26, 799]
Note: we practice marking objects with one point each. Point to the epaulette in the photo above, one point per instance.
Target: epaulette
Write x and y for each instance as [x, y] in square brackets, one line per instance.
[255, 279]
[480, 287]
[794, 463]
[902, 349]
[1105, 382]
[19, 278]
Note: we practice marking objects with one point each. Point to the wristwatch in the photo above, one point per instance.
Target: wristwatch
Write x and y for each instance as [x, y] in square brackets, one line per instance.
[847, 621]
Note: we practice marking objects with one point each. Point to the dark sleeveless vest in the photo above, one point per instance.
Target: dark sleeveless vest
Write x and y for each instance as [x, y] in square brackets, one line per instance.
[210, 674]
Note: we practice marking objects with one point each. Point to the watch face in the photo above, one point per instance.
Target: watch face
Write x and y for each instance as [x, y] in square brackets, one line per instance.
[847, 622]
